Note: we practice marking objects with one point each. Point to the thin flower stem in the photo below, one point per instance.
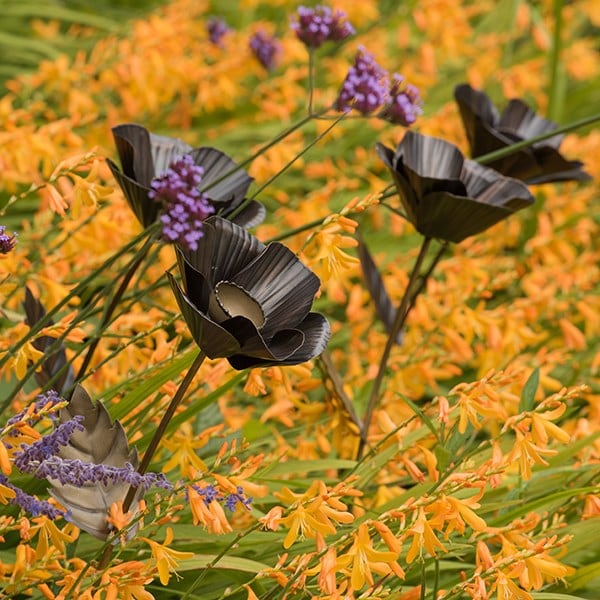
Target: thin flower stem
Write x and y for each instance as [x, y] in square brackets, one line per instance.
[278, 138]
[311, 79]
[338, 389]
[76, 291]
[423, 581]
[284, 168]
[111, 307]
[555, 99]
[502, 152]
[217, 558]
[401, 315]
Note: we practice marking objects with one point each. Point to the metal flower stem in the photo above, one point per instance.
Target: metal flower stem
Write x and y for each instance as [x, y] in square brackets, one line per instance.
[401, 315]
[110, 309]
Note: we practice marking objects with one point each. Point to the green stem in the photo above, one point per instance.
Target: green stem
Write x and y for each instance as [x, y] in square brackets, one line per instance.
[502, 152]
[111, 307]
[156, 438]
[278, 138]
[311, 79]
[556, 75]
[401, 315]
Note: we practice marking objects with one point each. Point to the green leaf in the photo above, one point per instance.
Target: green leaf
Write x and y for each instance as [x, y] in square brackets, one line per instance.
[554, 596]
[529, 390]
[306, 466]
[424, 418]
[152, 384]
[201, 561]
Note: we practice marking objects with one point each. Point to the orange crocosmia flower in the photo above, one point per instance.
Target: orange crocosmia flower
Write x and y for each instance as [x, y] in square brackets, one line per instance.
[5, 464]
[526, 453]
[507, 589]
[6, 494]
[126, 581]
[166, 558]
[251, 594]
[364, 559]
[211, 515]
[463, 511]
[183, 445]
[20, 360]
[116, 517]
[272, 519]
[423, 537]
[76, 334]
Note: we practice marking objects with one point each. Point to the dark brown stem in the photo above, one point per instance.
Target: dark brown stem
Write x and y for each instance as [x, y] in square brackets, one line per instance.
[155, 441]
[401, 315]
[110, 309]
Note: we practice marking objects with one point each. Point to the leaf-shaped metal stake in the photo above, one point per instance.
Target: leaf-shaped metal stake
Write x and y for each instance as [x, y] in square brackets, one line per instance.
[100, 443]
[56, 360]
[383, 305]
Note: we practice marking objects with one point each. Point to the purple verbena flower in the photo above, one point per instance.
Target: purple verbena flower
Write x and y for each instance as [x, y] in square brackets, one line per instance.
[79, 473]
[404, 104]
[266, 48]
[48, 446]
[30, 503]
[184, 206]
[315, 26]
[232, 500]
[209, 492]
[7, 242]
[217, 28]
[365, 87]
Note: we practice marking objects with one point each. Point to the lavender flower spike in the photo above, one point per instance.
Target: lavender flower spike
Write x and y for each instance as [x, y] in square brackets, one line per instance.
[365, 87]
[185, 207]
[266, 48]
[315, 26]
[404, 105]
[7, 242]
[217, 29]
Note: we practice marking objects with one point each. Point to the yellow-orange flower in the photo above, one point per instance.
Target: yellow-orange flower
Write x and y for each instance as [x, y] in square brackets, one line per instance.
[165, 558]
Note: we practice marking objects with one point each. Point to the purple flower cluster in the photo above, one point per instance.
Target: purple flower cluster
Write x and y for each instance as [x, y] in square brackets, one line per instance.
[184, 206]
[212, 494]
[79, 473]
[404, 105]
[7, 242]
[31, 504]
[217, 29]
[47, 446]
[365, 87]
[266, 48]
[315, 26]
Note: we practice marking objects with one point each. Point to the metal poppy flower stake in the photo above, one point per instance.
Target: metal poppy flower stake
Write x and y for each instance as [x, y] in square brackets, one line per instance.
[445, 197]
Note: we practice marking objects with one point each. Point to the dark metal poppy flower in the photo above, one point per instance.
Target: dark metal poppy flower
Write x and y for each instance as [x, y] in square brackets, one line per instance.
[249, 302]
[446, 196]
[488, 131]
[145, 156]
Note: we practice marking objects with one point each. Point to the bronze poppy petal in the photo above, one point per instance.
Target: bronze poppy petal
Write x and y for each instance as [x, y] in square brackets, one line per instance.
[213, 340]
[195, 285]
[283, 286]
[252, 343]
[145, 209]
[453, 218]
[165, 150]
[554, 167]
[224, 250]
[216, 164]
[520, 119]
[431, 164]
[405, 192]
[316, 330]
[251, 215]
[135, 152]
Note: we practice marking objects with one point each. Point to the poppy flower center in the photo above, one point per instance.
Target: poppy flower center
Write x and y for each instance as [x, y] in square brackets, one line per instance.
[229, 300]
